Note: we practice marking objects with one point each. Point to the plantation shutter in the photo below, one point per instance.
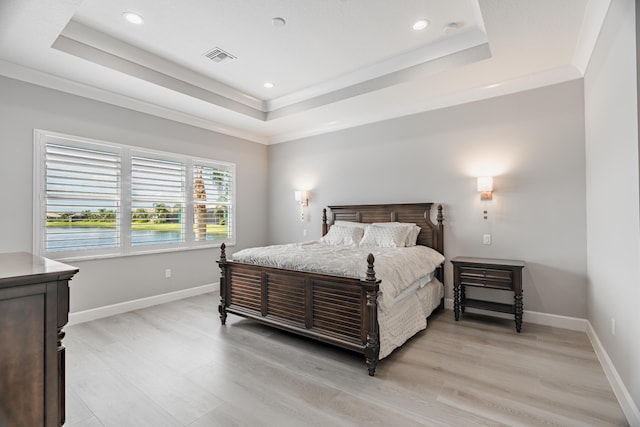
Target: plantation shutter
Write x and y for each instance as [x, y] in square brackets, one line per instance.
[82, 198]
[95, 199]
[157, 201]
[212, 202]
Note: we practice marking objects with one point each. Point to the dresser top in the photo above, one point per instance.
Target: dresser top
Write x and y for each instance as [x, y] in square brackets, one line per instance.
[488, 261]
[22, 266]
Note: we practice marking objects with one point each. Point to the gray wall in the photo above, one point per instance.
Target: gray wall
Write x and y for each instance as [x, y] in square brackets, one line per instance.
[24, 107]
[533, 142]
[613, 227]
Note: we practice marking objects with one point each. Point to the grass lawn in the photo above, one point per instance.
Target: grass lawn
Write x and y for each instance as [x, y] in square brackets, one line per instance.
[82, 224]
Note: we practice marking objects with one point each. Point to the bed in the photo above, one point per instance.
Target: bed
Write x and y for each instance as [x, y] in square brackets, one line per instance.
[350, 309]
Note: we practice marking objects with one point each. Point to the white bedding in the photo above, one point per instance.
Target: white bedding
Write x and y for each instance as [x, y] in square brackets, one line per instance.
[397, 268]
[408, 316]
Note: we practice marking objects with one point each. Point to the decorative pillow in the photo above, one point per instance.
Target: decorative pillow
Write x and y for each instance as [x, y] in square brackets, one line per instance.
[384, 237]
[412, 234]
[341, 235]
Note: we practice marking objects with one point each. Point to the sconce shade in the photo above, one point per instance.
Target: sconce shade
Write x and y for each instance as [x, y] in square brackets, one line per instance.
[485, 183]
[485, 187]
[302, 197]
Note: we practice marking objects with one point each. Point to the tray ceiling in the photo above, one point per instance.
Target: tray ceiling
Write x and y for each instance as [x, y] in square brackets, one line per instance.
[333, 63]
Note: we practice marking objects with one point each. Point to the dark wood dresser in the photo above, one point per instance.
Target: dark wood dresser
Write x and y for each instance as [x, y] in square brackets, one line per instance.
[488, 273]
[34, 307]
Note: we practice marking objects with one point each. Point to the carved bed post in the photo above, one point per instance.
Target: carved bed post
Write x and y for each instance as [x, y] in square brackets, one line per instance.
[439, 219]
[325, 229]
[372, 347]
[440, 248]
[222, 262]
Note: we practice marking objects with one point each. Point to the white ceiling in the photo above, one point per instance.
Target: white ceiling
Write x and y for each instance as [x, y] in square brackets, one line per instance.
[334, 64]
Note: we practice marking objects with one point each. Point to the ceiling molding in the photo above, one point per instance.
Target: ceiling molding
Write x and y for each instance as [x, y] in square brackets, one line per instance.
[109, 60]
[443, 63]
[99, 48]
[523, 83]
[104, 42]
[460, 42]
[594, 17]
[28, 75]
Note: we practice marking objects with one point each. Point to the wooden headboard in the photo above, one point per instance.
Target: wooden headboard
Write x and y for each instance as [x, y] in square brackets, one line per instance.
[431, 234]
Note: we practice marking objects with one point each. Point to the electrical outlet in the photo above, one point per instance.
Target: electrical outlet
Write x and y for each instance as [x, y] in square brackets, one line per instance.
[304, 232]
[167, 273]
[613, 326]
[486, 239]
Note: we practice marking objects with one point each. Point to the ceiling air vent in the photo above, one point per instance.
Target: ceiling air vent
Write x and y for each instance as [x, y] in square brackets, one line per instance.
[219, 55]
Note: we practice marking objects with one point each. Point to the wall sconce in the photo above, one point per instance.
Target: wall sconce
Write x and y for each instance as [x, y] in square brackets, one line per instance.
[302, 197]
[485, 187]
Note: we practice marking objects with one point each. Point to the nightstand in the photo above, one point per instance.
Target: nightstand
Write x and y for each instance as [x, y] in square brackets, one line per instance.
[488, 273]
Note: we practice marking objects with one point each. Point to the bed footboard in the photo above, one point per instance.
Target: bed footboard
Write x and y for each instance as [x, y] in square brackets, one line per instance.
[337, 310]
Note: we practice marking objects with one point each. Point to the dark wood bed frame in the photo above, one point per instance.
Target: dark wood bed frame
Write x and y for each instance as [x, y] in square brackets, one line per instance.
[337, 310]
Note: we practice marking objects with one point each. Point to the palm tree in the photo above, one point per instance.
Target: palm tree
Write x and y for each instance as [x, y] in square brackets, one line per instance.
[200, 207]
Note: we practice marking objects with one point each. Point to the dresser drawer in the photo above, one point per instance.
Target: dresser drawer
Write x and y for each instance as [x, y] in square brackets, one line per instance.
[486, 277]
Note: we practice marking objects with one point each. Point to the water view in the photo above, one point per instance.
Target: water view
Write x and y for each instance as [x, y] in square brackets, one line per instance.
[69, 238]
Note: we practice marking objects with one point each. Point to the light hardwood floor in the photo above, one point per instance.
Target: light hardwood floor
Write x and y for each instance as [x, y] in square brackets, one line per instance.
[174, 365]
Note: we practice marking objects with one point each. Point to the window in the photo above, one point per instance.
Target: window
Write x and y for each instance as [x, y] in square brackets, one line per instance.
[213, 191]
[157, 201]
[82, 186]
[95, 199]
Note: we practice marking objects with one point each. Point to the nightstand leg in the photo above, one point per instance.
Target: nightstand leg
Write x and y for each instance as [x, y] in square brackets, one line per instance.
[519, 309]
[463, 298]
[456, 302]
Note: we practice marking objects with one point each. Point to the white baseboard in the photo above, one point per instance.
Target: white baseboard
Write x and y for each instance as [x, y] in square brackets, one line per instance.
[629, 407]
[123, 307]
[555, 320]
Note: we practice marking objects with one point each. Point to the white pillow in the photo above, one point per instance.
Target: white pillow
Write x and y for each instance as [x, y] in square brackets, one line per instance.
[351, 224]
[412, 234]
[384, 237]
[341, 235]
[412, 238]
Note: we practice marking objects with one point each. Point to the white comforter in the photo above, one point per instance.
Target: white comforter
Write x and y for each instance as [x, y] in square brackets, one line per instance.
[397, 268]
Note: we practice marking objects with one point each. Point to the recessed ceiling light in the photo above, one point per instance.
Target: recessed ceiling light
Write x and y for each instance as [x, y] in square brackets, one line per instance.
[268, 85]
[421, 24]
[134, 18]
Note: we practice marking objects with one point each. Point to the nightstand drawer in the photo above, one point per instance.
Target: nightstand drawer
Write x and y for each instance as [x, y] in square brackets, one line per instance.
[486, 277]
[486, 273]
[487, 283]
